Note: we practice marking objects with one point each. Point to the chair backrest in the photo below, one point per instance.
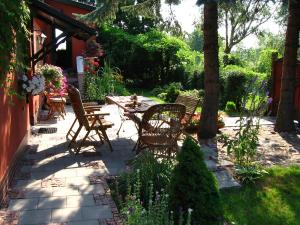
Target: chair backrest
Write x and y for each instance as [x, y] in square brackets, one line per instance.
[163, 120]
[77, 106]
[190, 103]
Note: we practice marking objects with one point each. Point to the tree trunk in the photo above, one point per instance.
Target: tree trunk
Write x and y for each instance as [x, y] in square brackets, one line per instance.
[209, 114]
[285, 114]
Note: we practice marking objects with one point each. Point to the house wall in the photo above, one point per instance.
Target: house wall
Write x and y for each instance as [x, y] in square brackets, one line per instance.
[78, 46]
[35, 102]
[14, 126]
[277, 75]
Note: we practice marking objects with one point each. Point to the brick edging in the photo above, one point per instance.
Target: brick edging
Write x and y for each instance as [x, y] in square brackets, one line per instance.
[11, 170]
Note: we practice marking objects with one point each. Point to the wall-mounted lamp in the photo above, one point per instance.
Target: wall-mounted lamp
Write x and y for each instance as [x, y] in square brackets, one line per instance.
[40, 37]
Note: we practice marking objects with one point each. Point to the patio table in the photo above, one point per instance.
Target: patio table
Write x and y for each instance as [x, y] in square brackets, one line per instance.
[127, 110]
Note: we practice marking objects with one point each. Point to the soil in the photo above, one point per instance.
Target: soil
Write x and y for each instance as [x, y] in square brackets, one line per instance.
[274, 148]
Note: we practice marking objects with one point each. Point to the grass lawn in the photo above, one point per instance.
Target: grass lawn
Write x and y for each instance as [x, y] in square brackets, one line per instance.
[146, 93]
[275, 200]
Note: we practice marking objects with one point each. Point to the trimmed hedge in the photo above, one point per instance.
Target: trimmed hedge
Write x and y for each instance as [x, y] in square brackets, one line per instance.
[235, 81]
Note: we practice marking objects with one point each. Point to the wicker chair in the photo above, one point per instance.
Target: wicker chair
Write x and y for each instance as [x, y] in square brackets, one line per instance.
[160, 128]
[90, 121]
[191, 104]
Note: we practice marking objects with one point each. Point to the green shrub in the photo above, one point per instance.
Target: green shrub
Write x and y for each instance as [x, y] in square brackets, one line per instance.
[193, 186]
[150, 169]
[172, 92]
[106, 81]
[230, 107]
[234, 80]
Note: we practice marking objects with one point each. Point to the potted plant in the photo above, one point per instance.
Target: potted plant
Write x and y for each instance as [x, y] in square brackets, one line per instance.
[53, 75]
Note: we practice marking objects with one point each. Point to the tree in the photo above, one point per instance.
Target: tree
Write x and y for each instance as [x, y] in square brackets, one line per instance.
[242, 18]
[209, 114]
[284, 120]
[195, 39]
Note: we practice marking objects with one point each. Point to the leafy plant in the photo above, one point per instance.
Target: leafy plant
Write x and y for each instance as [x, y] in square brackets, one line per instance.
[105, 81]
[194, 186]
[243, 145]
[230, 107]
[150, 169]
[157, 211]
[53, 74]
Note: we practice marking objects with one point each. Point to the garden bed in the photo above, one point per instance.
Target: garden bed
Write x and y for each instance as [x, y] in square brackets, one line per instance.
[274, 148]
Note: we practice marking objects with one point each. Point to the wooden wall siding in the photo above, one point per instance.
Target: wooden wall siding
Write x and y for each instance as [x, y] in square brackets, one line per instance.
[276, 75]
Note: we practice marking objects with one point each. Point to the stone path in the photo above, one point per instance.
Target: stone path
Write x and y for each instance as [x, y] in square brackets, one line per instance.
[53, 186]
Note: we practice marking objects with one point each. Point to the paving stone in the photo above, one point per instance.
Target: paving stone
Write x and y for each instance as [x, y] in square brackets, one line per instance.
[80, 201]
[35, 217]
[65, 191]
[22, 204]
[52, 203]
[66, 173]
[67, 214]
[225, 180]
[77, 181]
[38, 192]
[91, 189]
[96, 212]
[85, 222]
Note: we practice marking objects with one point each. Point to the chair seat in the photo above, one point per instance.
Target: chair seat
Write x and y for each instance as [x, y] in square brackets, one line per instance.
[57, 100]
[105, 124]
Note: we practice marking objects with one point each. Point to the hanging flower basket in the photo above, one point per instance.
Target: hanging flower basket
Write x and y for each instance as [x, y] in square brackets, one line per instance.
[33, 86]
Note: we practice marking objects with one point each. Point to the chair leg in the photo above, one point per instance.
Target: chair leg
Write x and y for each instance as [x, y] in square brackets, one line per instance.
[101, 139]
[120, 127]
[106, 139]
[71, 128]
[82, 141]
[75, 135]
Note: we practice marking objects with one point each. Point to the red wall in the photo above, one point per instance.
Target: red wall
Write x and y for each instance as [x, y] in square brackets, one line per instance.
[13, 127]
[277, 74]
[78, 46]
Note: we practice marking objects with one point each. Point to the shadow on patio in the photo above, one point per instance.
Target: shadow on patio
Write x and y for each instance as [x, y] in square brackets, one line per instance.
[53, 185]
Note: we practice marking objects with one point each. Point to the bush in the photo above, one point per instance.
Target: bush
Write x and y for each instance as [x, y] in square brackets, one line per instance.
[193, 186]
[235, 80]
[172, 92]
[149, 169]
[106, 81]
[230, 107]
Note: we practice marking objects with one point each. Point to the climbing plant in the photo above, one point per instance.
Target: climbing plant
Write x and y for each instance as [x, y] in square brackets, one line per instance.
[14, 18]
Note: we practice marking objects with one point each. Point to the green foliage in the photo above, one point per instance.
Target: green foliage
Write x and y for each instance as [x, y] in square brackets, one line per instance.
[106, 81]
[250, 174]
[154, 58]
[194, 186]
[230, 107]
[148, 169]
[157, 211]
[13, 45]
[172, 92]
[53, 74]
[235, 79]
[272, 200]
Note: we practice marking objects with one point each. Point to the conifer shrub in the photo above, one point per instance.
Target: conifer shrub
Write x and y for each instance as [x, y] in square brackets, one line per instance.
[194, 187]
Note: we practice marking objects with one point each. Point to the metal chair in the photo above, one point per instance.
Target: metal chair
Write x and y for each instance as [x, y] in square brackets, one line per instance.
[93, 121]
[160, 128]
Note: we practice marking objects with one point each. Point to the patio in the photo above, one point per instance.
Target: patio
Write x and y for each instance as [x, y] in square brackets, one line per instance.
[54, 186]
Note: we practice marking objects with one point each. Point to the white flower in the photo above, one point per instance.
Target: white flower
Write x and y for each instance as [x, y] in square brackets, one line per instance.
[25, 78]
[24, 86]
[28, 90]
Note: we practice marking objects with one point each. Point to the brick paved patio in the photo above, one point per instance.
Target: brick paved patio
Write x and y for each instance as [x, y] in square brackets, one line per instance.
[54, 186]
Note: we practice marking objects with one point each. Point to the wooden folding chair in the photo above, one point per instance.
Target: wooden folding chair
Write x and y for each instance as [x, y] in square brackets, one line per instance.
[191, 103]
[91, 121]
[90, 107]
[160, 128]
[56, 104]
